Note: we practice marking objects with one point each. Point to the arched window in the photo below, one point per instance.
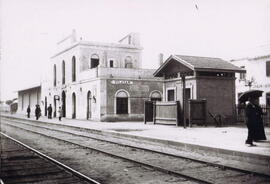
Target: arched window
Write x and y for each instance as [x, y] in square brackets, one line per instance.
[94, 61]
[73, 69]
[155, 96]
[63, 72]
[64, 103]
[89, 109]
[54, 75]
[122, 102]
[128, 62]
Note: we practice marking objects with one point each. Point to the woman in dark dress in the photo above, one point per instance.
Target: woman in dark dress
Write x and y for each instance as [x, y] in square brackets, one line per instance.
[254, 121]
[37, 112]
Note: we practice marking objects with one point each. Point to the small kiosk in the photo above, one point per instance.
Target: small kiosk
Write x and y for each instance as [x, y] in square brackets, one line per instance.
[199, 78]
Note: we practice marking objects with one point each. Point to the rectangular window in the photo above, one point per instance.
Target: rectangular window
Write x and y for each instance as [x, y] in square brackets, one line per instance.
[242, 75]
[170, 95]
[111, 63]
[268, 68]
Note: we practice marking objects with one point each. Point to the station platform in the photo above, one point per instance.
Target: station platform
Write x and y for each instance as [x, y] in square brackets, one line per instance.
[227, 141]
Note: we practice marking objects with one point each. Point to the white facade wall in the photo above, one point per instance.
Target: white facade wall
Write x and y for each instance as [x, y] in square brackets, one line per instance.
[28, 97]
[88, 79]
[256, 72]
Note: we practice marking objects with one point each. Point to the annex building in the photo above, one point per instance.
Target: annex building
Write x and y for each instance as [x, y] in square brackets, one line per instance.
[99, 81]
[29, 97]
[200, 78]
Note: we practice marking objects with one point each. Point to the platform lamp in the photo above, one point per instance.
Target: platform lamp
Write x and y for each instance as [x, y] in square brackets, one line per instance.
[249, 83]
[57, 97]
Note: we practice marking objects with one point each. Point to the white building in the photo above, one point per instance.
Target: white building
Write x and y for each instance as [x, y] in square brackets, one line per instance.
[257, 76]
[29, 97]
[99, 81]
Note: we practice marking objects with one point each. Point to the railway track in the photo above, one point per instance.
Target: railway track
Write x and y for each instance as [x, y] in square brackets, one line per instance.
[192, 170]
[22, 164]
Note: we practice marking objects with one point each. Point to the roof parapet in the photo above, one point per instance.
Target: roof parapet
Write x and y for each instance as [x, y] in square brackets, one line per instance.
[131, 39]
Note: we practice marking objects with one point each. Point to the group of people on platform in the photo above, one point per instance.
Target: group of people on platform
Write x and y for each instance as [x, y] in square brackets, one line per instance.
[253, 113]
[49, 109]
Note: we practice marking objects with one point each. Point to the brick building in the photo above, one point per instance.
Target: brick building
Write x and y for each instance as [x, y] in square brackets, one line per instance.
[207, 78]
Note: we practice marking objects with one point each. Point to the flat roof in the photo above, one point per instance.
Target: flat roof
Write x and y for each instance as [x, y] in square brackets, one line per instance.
[31, 87]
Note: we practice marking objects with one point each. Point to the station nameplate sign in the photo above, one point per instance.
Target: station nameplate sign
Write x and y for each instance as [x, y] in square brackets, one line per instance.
[121, 82]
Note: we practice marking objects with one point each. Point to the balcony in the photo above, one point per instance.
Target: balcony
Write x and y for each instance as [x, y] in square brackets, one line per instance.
[101, 72]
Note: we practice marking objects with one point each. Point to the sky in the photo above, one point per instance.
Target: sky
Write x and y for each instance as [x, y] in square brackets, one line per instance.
[30, 29]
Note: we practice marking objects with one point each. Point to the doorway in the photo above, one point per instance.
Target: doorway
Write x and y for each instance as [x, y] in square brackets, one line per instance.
[64, 103]
[73, 106]
[45, 110]
[54, 105]
[187, 97]
[88, 111]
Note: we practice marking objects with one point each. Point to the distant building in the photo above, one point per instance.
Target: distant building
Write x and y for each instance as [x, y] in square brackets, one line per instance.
[29, 96]
[100, 81]
[257, 76]
[4, 107]
[207, 78]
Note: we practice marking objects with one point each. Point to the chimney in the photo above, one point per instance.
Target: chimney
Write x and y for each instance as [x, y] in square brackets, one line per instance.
[73, 36]
[135, 39]
[160, 59]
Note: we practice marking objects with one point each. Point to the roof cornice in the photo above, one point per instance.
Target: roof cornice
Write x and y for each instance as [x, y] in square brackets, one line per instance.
[99, 44]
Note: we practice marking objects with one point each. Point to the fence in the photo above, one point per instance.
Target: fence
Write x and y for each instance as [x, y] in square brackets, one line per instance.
[162, 112]
[241, 114]
[167, 112]
[171, 112]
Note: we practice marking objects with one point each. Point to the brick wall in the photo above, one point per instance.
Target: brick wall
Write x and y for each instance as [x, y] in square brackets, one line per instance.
[220, 96]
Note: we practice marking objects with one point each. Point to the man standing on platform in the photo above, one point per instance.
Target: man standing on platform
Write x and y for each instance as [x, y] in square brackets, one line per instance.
[37, 112]
[60, 113]
[50, 111]
[28, 111]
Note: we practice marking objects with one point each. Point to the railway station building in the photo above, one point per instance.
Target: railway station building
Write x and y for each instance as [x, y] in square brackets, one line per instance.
[99, 81]
[205, 78]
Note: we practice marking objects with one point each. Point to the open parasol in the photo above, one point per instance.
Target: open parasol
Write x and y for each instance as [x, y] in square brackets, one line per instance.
[251, 93]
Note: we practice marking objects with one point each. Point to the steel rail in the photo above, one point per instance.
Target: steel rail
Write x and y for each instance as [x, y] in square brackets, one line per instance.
[145, 149]
[74, 172]
[121, 157]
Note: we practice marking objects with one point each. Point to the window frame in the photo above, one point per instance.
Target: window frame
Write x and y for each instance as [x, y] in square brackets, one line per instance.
[54, 75]
[128, 62]
[97, 58]
[155, 98]
[63, 72]
[73, 69]
[128, 101]
[267, 68]
[167, 93]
